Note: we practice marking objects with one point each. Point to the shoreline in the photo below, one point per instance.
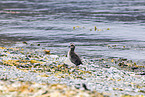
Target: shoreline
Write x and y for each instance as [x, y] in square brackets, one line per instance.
[34, 65]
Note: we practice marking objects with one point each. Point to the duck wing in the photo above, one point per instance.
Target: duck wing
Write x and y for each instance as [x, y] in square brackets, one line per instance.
[75, 59]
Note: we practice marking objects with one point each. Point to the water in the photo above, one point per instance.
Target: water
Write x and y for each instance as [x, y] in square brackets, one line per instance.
[120, 26]
[51, 24]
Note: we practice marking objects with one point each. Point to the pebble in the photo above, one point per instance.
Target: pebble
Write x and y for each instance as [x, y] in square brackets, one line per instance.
[42, 69]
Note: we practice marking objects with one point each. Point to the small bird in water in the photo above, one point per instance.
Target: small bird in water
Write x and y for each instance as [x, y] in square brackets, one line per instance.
[72, 56]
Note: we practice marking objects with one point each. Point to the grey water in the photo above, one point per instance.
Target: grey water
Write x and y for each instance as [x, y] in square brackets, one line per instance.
[51, 23]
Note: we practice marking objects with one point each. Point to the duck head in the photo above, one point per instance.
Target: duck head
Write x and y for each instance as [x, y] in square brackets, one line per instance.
[72, 46]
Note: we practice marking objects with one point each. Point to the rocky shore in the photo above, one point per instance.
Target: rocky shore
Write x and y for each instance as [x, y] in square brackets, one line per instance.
[32, 72]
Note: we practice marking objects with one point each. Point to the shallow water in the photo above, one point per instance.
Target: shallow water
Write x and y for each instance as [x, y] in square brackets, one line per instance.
[51, 24]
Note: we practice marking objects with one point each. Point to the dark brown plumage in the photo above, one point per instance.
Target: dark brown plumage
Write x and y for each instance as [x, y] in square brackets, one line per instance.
[74, 58]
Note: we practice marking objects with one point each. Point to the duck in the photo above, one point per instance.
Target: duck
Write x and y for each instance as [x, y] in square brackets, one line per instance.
[72, 57]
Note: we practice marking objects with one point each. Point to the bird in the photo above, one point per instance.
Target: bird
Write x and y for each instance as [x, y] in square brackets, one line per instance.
[73, 58]
[85, 86]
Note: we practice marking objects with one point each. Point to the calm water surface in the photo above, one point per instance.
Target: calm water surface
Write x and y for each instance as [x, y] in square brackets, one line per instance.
[51, 22]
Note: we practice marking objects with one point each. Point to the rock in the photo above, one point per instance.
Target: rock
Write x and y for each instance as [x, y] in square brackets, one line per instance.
[142, 73]
[122, 64]
[25, 42]
[47, 51]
